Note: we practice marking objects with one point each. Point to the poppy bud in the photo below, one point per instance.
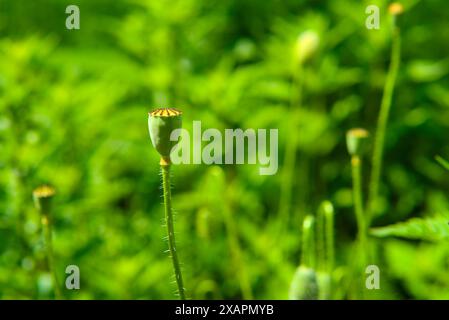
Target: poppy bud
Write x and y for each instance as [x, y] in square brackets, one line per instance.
[304, 285]
[356, 141]
[161, 123]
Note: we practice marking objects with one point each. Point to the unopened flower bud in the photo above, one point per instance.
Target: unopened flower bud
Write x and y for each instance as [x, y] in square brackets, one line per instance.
[304, 285]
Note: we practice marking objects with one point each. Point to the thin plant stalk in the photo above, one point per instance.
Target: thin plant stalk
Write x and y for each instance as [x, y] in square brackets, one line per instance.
[236, 252]
[356, 142]
[165, 167]
[360, 216]
[306, 46]
[308, 243]
[325, 241]
[356, 165]
[382, 121]
[290, 150]
[321, 241]
[329, 236]
[43, 201]
[47, 229]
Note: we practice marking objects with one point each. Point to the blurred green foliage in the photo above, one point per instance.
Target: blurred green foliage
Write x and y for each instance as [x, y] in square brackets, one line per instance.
[73, 113]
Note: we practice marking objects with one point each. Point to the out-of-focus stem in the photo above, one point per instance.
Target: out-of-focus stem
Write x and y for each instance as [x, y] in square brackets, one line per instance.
[46, 225]
[361, 219]
[383, 120]
[308, 243]
[236, 253]
[358, 205]
[358, 197]
[330, 251]
[290, 148]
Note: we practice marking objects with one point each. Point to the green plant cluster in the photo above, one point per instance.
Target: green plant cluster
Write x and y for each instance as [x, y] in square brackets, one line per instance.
[73, 114]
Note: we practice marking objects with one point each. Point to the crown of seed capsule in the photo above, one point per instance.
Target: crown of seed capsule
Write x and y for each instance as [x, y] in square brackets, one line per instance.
[161, 123]
[356, 141]
[165, 112]
[44, 191]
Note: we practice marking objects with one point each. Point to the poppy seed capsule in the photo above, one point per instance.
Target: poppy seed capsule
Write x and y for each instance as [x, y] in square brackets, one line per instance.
[161, 123]
[42, 198]
[356, 140]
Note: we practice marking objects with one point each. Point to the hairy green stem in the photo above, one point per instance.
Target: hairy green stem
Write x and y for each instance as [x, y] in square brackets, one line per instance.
[382, 122]
[170, 229]
[46, 225]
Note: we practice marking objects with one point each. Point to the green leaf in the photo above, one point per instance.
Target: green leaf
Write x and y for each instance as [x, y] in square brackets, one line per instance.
[432, 229]
[443, 162]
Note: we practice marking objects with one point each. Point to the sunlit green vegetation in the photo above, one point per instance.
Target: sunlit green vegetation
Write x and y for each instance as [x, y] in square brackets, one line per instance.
[73, 114]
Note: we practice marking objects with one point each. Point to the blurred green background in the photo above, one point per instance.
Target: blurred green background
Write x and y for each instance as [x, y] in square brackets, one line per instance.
[73, 113]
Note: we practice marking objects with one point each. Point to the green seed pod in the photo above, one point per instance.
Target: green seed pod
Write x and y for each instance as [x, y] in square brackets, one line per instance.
[356, 141]
[304, 285]
[42, 198]
[161, 123]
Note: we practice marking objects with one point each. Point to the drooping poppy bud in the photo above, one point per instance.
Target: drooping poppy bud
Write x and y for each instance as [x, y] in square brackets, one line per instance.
[161, 123]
